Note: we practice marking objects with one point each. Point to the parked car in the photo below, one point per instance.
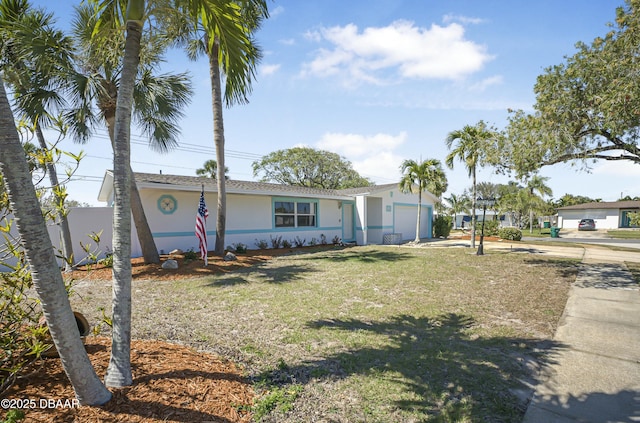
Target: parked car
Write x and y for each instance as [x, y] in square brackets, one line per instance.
[587, 225]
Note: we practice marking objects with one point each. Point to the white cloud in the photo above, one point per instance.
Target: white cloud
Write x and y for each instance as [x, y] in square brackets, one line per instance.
[486, 83]
[438, 52]
[382, 168]
[287, 42]
[269, 69]
[275, 12]
[372, 156]
[357, 145]
[617, 168]
[462, 19]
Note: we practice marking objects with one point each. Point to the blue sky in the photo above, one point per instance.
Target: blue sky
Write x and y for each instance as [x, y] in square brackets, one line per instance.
[379, 81]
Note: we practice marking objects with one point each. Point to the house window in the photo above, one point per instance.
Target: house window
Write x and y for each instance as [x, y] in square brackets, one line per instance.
[294, 214]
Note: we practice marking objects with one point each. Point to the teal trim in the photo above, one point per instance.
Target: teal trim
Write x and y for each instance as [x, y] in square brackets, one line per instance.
[294, 200]
[246, 231]
[168, 201]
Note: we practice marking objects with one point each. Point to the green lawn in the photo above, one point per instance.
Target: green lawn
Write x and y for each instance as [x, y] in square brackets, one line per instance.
[377, 334]
[624, 234]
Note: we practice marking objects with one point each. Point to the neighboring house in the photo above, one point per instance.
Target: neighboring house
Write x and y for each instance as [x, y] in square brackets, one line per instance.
[258, 211]
[607, 215]
[489, 215]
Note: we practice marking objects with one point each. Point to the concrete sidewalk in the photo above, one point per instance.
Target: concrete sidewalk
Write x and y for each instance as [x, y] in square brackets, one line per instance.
[595, 375]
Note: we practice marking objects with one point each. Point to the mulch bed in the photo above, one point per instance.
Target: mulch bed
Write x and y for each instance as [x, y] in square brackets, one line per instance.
[172, 383]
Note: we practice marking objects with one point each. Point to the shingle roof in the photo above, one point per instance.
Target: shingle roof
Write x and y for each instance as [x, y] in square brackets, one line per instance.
[368, 190]
[604, 205]
[234, 186]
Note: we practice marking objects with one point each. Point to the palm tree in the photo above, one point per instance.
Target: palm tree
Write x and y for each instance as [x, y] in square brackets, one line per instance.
[537, 185]
[427, 175]
[36, 82]
[459, 204]
[470, 150]
[47, 279]
[110, 21]
[223, 31]
[210, 169]
[158, 101]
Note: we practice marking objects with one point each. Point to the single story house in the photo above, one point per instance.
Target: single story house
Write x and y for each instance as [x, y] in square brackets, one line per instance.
[258, 211]
[607, 215]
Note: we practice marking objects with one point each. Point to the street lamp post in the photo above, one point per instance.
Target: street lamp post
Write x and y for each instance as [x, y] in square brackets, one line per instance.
[484, 202]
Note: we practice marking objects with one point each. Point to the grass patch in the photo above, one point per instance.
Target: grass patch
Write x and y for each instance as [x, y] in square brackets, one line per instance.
[626, 234]
[370, 333]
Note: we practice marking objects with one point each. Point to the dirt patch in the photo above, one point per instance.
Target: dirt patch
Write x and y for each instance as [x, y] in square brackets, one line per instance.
[172, 383]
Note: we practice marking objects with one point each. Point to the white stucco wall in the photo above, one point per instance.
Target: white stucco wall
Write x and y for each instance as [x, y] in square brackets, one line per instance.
[249, 220]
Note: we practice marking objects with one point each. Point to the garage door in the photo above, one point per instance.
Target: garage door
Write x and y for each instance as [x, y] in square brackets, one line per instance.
[404, 221]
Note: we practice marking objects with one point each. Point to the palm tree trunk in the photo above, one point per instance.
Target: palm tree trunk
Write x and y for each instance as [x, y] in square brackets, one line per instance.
[473, 210]
[417, 240]
[218, 139]
[147, 243]
[145, 237]
[119, 370]
[47, 278]
[67, 245]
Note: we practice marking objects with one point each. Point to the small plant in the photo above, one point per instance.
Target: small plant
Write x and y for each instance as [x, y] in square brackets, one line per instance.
[107, 261]
[510, 234]
[13, 416]
[336, 240]
[286, 243]
[190, 255]
[276, 242]
[261, 244]
[323, 239]
[238, 248]
[280, 398]
[299, 242]
[313, 241]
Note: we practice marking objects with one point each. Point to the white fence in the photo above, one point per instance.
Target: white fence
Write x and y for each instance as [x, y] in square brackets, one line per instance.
[83, 222]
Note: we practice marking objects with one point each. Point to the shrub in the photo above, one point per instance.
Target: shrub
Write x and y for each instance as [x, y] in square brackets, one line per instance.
[336, 240]
[323, 239]
[276, 242]
[261, 244]
[442, 226]
[190, 255]
[491, 227]
[510, 234]
[238, 247]
[299, 242]
[313, 241]
[286, 243]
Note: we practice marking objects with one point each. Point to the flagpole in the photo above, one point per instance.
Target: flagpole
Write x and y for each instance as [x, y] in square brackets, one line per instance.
[206, 256]
[201, 227]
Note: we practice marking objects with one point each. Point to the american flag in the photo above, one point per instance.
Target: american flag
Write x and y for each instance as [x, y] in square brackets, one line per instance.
[201, 227]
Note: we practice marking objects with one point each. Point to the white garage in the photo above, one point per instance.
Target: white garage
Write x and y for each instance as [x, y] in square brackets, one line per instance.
[404, 221]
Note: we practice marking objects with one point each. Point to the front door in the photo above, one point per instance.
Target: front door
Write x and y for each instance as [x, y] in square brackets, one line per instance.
[348, 229]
